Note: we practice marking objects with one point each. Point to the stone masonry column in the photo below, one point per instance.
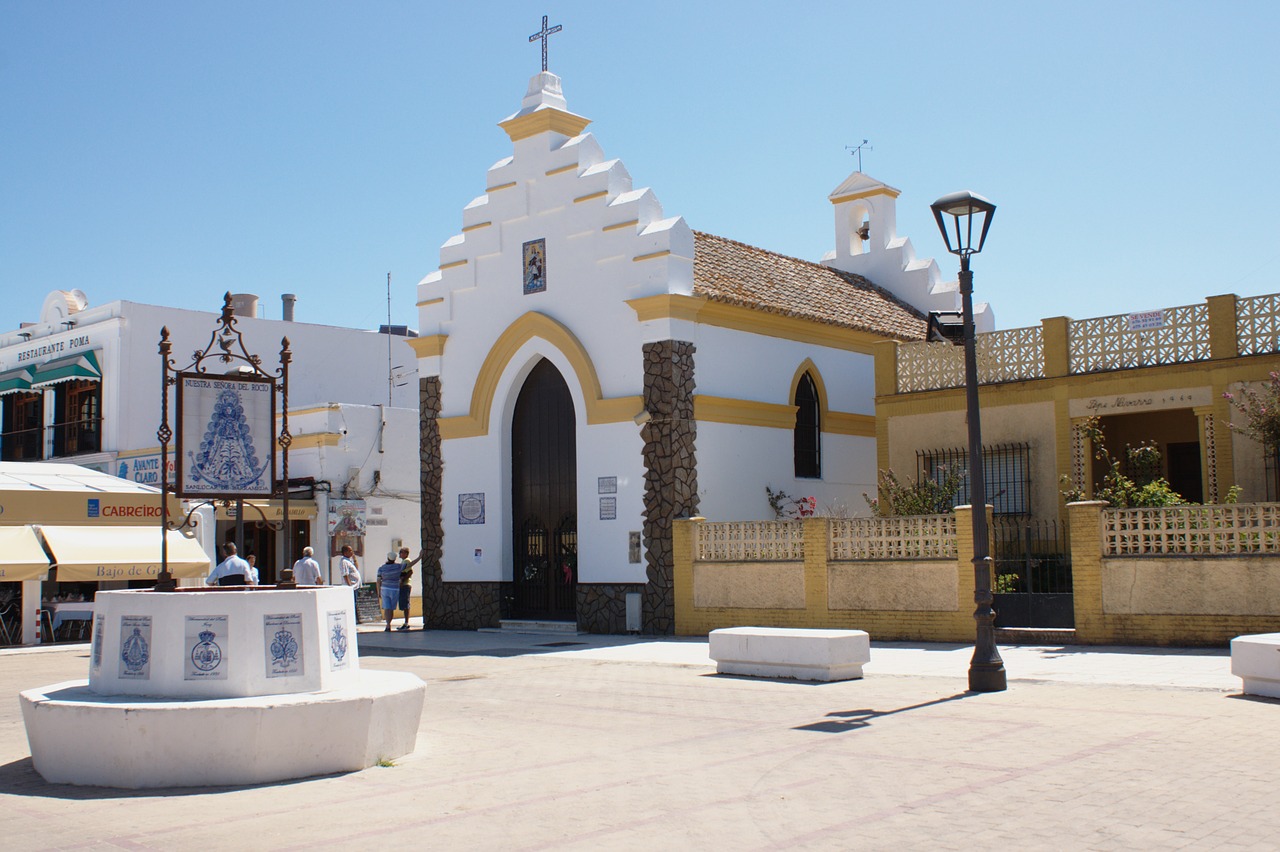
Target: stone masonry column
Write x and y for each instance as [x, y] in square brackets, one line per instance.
[671, 472]
[431, 490]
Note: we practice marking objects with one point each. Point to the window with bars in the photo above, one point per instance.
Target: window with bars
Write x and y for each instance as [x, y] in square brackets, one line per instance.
[1006, 468]
[808, 433]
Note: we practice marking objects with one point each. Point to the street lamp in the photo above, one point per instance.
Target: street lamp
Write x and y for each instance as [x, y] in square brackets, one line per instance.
[986, 669]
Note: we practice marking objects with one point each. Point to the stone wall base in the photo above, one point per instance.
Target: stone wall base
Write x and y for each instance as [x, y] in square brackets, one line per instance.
[464, 606]
[602, 607]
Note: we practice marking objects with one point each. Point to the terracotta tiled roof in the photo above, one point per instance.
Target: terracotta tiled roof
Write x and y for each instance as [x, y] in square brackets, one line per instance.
[729, 271]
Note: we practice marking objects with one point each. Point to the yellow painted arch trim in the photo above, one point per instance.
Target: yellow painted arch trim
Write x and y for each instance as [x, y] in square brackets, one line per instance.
[831, 422]
[529, 326]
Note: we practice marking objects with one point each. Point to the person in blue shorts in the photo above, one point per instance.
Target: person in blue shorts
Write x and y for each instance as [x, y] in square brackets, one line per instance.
[389, 587]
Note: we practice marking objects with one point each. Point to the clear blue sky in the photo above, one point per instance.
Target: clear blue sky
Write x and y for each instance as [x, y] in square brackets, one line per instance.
[167, 152]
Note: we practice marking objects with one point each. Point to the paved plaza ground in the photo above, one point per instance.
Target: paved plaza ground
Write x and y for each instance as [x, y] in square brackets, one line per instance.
[621, 743]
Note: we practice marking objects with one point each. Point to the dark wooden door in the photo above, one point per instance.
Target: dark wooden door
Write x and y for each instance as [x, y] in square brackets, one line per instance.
[544, 498]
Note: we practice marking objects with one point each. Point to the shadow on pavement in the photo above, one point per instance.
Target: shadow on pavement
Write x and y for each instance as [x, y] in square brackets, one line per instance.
[19, 778]
[842, 721]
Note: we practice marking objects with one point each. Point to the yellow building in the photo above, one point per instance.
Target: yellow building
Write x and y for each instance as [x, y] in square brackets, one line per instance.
[1157, 376]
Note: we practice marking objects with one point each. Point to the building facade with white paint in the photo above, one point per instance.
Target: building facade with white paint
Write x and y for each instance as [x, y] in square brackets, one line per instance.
[592, 368]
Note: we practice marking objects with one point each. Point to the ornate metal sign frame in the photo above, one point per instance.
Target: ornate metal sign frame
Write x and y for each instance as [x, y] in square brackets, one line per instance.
[225, 347]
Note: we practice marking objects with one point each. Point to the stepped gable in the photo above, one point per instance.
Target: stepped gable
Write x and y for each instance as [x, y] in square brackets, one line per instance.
[729, 271]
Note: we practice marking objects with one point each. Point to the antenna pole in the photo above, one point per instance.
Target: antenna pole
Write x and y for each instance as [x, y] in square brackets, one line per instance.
[388, 340]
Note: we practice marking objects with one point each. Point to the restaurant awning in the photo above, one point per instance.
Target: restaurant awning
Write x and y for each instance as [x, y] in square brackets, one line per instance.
[21, 556]
[121, 553]
[81, 366]
[14, 381]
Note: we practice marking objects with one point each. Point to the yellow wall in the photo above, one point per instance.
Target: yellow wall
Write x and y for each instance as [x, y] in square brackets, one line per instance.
[1129, 601]
[1018, 411]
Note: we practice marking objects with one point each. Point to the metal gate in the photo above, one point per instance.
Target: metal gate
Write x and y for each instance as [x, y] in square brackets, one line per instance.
[1032, 573]
[546, 576]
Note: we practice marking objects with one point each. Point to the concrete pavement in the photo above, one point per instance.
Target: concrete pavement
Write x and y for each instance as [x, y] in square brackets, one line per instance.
[615, 743]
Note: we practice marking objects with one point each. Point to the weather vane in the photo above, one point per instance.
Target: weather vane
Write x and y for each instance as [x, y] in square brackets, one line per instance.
[857, 151]
[544, 34]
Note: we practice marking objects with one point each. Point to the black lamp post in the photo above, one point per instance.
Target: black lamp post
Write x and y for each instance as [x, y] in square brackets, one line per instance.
[986, 669]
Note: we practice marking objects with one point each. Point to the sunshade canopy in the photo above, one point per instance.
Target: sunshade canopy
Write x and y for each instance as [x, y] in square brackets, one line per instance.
[121, 553]
[21, 556]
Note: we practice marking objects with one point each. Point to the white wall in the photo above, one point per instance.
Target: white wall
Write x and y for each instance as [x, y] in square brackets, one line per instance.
[380, 446]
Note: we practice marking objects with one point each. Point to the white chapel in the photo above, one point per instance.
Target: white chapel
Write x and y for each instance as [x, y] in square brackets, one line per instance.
[592, 368]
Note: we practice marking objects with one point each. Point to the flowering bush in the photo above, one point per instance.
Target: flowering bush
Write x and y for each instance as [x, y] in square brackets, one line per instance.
[922, 497]
[786, 507]
[1261, 410]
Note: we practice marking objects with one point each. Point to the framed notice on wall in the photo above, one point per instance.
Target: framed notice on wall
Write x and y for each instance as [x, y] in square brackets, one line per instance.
[226, 436]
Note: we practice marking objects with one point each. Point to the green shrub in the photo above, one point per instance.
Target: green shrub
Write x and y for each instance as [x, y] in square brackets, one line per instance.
[921, 497]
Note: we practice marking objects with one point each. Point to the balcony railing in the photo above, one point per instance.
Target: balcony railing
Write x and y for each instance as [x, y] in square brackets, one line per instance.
[1221, 327]
[73, 438]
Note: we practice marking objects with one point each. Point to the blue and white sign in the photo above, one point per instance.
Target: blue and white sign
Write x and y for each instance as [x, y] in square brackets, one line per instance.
[144, 469]
[135, 647]
[339, 641]
[225, 436]
[206, 637]
[283, 635]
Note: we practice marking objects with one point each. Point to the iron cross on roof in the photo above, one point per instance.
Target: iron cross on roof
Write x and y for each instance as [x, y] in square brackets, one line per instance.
[544, 35]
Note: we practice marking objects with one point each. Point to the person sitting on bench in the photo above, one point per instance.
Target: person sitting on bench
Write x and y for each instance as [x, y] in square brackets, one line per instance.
[231, 571]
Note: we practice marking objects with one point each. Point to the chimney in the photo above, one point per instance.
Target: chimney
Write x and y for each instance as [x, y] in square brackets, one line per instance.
[244, 304]
[289, 299]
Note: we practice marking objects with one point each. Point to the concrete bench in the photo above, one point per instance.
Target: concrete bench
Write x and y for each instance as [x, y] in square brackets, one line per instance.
[1256, 660]
[790, 652]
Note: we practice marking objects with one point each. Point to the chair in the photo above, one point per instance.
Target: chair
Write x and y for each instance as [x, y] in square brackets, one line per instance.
[45, 625]
[10, 625]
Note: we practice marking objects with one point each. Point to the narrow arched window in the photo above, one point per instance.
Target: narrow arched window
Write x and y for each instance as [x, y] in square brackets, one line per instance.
[808, 435]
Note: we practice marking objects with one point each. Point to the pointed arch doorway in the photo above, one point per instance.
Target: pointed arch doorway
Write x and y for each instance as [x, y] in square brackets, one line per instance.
[544, 498]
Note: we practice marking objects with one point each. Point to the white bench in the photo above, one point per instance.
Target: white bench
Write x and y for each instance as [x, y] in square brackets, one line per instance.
[803, 654]
[1256, 660]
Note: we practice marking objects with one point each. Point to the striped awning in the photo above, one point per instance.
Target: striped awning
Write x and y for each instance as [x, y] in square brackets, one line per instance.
[13, 381]
[81, 366]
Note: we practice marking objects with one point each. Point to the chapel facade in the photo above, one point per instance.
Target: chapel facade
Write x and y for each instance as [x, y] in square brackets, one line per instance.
[592, 368]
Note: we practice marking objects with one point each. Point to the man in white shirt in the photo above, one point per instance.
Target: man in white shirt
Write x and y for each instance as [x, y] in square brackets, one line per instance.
[232, 571]
[306, 571]
[350, 571]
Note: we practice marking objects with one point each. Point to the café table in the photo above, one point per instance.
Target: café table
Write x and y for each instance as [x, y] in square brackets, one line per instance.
[69, 611]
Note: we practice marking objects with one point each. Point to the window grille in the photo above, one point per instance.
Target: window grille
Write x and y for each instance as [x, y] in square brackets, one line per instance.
[1007, 469]
[808, 433]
